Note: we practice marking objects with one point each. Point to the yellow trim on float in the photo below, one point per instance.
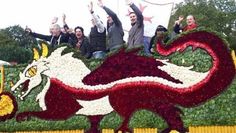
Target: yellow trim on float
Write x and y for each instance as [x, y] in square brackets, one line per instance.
[192, 129]
[2, 79]
[233, 57]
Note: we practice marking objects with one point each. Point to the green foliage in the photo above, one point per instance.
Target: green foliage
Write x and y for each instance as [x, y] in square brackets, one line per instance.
[218, 111]
[145, 118]
[11, 49]
[5, 39]
[19, 35]
[196, 59]
[13, 53]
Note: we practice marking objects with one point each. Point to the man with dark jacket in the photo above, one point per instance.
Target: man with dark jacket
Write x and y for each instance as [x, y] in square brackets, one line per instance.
[161, 34]
[114, 28]
[56, 37]
[97, 35]
[136, 32]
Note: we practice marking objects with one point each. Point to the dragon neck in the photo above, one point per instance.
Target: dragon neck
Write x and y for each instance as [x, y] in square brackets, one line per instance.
[220, 75]
[67, 66]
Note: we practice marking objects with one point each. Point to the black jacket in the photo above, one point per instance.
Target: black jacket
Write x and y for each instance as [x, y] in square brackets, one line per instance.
[97, 40]
[85, 47]
[53, 40]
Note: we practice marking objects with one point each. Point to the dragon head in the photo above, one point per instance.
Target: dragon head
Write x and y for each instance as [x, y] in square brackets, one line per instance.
[32, 75]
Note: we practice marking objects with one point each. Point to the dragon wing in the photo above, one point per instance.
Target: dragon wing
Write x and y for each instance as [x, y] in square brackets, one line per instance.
[126, 65]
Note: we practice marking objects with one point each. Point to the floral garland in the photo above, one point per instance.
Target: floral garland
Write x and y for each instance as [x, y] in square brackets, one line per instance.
[8, 106]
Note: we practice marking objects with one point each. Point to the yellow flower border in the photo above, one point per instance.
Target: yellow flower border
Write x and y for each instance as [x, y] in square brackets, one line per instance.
[192, 129]
[2, 79]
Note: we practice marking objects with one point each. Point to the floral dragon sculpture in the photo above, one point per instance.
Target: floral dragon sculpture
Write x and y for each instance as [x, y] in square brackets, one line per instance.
[125, 83]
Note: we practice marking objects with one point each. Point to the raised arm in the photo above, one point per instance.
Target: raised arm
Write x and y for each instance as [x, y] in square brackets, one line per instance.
[177, 26]
[37, 35]
[54, 20]
[110, 13]
[136, 11]
[97, 21]
[41, 36]
[65, 26]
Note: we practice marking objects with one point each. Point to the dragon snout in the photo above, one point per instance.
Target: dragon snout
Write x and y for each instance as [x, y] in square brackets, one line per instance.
[20, 87]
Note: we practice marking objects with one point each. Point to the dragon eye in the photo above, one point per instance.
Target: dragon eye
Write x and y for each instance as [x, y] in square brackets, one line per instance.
[31, 72]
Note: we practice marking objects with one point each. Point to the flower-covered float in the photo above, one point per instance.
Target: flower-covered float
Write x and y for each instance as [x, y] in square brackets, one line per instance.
[125, 82]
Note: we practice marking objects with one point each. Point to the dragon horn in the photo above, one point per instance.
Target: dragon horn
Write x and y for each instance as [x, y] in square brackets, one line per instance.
[45, 50]
[36, 54]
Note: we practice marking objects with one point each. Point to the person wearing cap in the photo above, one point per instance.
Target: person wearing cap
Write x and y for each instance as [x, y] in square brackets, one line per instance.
[136, 32]
[160, 34]
[114, 29]
[97, 35]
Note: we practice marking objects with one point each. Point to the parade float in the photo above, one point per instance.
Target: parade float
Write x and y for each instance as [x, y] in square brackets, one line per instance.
[58, 92]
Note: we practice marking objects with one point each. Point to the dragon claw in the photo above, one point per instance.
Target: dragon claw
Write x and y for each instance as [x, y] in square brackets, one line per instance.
[124, 130]
[22, 117]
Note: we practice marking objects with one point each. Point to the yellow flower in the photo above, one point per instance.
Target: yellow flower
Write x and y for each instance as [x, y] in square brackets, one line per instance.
[6, 105]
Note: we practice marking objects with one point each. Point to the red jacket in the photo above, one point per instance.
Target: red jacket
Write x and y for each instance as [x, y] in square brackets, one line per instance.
[190, 27]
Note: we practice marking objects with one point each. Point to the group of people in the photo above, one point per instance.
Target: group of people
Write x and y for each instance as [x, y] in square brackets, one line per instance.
[95, 44]
[161, 32]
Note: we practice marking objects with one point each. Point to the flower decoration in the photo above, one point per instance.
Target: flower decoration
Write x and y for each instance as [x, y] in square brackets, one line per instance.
[126, 82]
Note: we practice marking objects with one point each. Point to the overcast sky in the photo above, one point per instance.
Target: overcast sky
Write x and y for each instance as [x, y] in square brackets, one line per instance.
[37, 14]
